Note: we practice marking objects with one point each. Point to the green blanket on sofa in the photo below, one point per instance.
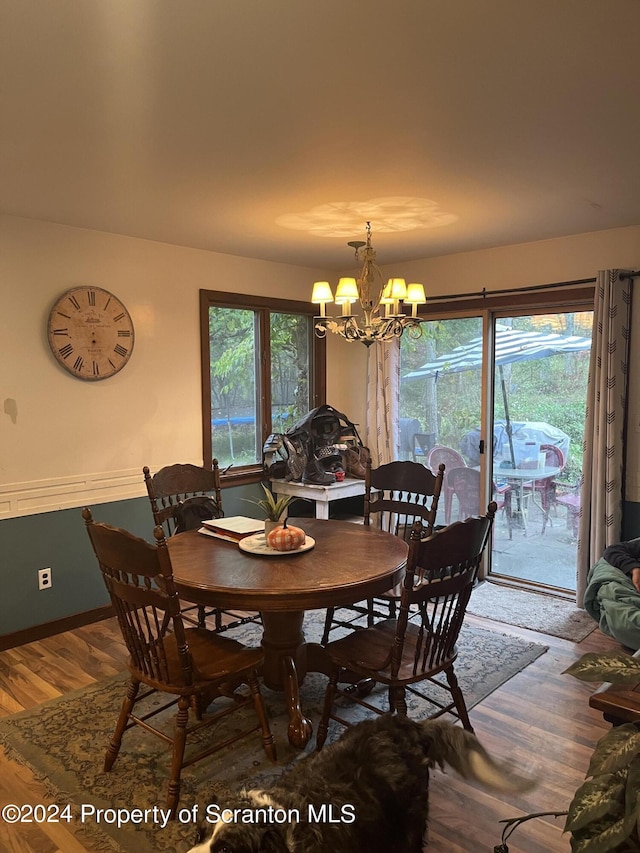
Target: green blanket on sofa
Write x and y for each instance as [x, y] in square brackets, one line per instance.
[613, 601]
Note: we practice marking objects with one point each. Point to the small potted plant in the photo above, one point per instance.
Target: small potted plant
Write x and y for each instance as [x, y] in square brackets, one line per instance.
[274, 509]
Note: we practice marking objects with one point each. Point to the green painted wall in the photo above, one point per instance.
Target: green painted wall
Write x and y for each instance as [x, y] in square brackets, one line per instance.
[58, 540]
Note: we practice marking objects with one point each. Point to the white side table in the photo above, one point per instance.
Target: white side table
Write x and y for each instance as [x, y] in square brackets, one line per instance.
[322, 495]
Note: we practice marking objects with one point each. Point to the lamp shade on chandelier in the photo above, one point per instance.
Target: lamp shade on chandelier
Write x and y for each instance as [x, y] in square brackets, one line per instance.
[371, 292]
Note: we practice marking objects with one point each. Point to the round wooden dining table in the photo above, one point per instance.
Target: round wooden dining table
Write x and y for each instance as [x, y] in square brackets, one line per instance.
[348, 563]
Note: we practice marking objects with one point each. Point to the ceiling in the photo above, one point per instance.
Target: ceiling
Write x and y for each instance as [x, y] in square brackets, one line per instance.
[275, 129]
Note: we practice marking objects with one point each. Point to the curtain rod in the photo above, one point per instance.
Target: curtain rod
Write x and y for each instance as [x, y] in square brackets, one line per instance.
[484, 293]
[633, 274]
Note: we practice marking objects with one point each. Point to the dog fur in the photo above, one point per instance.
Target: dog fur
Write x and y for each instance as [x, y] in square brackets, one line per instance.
[374, 784]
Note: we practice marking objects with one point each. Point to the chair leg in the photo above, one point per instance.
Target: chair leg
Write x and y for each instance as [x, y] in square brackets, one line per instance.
[329, 697]
[179, 742]
[574, 515]
[261, 713]
[458, 698]
[509, 513]
[397, 700]
[328, 619]
[545, 503]
[202, 618]
[127, 706]
[370, 612]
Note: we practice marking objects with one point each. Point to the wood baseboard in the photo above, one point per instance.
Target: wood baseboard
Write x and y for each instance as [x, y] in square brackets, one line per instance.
[40, 632]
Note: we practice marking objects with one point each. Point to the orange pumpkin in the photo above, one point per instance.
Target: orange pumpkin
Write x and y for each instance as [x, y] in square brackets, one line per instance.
[286, 538]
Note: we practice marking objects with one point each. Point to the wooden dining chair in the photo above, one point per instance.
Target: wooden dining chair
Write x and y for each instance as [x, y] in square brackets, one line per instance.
[170, 490]
[401, 653]
[192, 666]
[396, 496]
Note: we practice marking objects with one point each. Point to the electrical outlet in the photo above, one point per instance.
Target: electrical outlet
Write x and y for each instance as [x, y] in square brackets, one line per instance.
[44, 578]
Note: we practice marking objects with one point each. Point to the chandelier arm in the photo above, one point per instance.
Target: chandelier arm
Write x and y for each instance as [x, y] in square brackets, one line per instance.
[379, 329]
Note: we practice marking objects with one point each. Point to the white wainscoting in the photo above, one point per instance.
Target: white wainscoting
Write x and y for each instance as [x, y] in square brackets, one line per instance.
[29, 498]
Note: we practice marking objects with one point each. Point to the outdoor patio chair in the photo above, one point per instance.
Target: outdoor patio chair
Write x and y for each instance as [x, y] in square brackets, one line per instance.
[571, 500]
[451, 459]
[194, 666]
[502, 495]
[168, 491]
[396, 496]
[401, 653]
[546, 489]
[464, 484]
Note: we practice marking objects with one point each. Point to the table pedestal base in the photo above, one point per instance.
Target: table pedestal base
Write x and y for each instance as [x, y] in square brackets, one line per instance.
[287, 659]
[285, 666]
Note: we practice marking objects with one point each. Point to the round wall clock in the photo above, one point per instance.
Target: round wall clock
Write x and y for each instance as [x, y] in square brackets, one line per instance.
[90, 333]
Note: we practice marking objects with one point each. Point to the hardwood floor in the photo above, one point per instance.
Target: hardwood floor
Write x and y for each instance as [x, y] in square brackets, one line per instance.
[540, 719]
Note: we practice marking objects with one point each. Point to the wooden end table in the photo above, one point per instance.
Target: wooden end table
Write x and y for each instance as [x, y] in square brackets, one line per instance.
[618, 704]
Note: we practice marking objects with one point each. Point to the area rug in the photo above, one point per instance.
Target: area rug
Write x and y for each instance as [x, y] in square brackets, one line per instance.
[63, 743]
[546, 614]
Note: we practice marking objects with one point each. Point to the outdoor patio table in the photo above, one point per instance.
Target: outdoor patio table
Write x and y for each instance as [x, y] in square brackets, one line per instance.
[518, 478]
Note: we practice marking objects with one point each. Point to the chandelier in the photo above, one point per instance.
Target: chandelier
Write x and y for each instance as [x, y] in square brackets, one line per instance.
[370, 290]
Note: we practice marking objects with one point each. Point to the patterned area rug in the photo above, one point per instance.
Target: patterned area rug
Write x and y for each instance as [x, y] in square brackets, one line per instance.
[63, 742]
[544, 613]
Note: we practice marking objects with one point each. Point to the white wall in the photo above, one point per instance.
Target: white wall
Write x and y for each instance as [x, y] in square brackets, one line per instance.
[65, 442]
[77, 442]
[526, 264]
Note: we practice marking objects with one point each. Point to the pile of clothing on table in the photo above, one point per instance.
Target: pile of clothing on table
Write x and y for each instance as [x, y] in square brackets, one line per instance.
[320, 449]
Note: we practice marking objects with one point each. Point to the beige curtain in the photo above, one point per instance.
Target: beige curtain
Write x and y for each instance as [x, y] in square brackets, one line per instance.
[383, 402]
[604, 456]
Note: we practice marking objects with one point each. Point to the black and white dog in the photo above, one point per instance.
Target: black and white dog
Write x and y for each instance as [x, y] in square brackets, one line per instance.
[366, 792]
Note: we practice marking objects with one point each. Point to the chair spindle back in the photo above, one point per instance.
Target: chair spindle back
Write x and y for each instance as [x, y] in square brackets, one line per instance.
[400, 494]
[441, 571]
[176, 483]
[139, 579]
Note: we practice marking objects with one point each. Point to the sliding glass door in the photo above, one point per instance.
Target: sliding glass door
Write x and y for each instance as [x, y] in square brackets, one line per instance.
[515, 437]
[541, 364]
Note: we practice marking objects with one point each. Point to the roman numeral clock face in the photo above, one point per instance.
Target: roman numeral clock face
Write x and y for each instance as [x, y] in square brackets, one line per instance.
[90, 333]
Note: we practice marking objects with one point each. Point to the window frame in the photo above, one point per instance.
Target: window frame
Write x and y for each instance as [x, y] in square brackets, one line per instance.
[264, 306]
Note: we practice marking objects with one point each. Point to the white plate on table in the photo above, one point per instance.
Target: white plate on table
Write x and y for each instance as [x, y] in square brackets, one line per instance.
[257, 544]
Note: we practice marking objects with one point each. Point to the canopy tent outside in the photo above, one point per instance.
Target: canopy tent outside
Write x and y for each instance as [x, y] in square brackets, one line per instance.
[511, 345]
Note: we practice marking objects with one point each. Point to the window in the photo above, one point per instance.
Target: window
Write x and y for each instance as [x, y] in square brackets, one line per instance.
[263, 369]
